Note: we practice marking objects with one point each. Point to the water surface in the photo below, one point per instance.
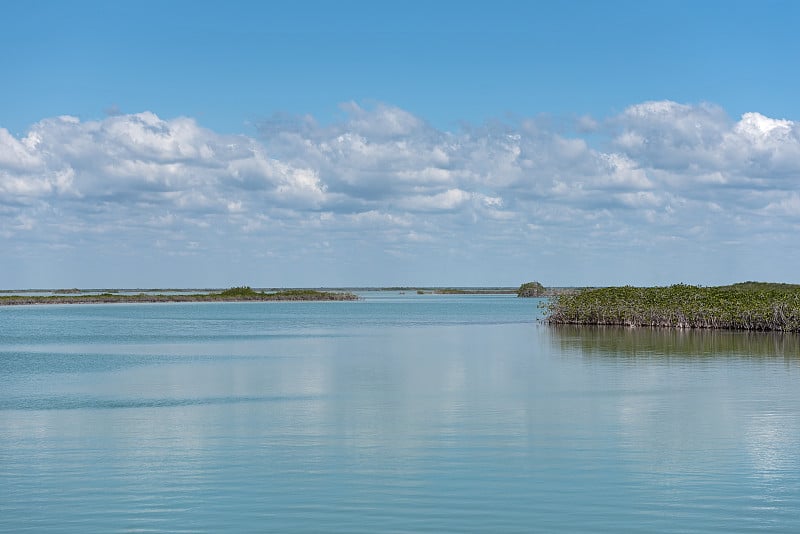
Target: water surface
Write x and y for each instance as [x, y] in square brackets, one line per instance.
[397, 413]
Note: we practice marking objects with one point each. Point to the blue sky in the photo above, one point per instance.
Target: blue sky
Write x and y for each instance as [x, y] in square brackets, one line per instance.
[377, 143]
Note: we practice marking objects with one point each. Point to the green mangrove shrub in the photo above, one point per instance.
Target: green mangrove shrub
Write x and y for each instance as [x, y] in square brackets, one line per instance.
[753, 306]
[531, 289]
[239, 292]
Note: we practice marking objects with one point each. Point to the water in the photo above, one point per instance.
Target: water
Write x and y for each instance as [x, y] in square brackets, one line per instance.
[398, 413]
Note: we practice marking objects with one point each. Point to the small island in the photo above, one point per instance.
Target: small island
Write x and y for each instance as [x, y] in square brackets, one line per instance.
[234, 294]
[755, 306]
[536, 290]
[531, 290]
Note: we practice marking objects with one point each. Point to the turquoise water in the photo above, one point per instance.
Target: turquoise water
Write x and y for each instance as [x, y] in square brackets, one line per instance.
[397, 413]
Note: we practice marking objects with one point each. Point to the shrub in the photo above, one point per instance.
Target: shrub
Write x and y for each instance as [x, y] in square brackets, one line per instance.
[531, 289]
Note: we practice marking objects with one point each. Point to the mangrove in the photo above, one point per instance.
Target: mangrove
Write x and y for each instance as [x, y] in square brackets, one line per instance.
[531, 290]
[233, 294]
[746, 306]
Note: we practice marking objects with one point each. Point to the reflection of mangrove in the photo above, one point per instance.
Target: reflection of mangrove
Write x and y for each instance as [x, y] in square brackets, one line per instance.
[234, 294]
[671, 342]
[746, 306]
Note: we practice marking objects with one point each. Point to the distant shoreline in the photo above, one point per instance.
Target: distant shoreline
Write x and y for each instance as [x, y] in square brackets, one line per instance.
[18, 297]
[442, 290]
[239, 294]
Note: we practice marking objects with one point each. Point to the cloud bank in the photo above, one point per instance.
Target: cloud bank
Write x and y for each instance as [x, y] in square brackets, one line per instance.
[661, 192]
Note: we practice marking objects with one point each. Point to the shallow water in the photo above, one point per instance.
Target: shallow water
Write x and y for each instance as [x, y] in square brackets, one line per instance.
[398, 413]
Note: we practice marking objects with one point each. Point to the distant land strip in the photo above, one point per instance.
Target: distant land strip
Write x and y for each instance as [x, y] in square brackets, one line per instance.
[755, 306]
[234, 294]
[531, 289]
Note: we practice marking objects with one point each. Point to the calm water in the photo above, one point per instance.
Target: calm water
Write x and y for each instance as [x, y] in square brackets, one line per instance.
[398, 413]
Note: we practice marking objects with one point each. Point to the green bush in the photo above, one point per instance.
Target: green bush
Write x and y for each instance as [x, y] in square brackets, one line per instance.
[750, 306]
[531, 289]
[239, 291]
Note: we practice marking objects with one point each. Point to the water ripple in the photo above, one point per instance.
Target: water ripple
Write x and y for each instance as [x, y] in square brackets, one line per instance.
[81, 402]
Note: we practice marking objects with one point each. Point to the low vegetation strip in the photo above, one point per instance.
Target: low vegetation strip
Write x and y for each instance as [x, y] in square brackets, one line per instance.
[234, 294]
[474, 291]
[745, 306]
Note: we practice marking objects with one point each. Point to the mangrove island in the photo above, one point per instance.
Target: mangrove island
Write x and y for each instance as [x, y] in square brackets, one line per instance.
[234, 294]
[745, 306]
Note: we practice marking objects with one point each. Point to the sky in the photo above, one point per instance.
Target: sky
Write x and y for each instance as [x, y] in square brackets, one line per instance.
[338, 144]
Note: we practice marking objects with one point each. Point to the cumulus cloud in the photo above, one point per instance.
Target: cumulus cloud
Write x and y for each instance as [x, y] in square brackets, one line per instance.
[659, 172]
[702, 140]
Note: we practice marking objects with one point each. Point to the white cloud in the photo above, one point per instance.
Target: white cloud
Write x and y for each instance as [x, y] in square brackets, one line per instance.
[17, 155]
[693, 140]
[446, 200]
[788, 206]
[650, 175]
[382, 121]
[641, 199]
[374, 217]
[760, 129]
